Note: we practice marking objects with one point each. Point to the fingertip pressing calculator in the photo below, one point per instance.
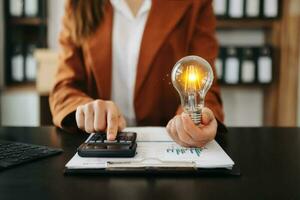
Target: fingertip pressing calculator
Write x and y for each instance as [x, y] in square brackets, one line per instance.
[98, 146]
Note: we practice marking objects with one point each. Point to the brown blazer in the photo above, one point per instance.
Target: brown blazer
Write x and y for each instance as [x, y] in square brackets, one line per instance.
[175, 28]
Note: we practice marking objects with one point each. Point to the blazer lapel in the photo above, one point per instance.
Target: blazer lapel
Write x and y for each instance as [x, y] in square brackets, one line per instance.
[162, 18]
[99, 49]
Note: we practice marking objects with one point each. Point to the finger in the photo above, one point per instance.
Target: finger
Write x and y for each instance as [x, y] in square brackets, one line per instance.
[174, 134]
[182, 134]
[79, 115]
[200, 135]
[189, 127]
[112, 121]
[121, 120]
[170, 130]
[209, 125]
[207, 116]
[122, 123]
[99, 116]
[89, 118]
[210, 130]
[168, 126]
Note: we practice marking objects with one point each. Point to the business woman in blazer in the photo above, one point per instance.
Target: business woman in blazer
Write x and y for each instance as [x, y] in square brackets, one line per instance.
[115, 65]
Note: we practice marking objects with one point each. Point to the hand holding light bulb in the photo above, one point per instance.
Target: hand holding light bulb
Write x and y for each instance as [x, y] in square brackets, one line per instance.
[192, 77]
[184, 132]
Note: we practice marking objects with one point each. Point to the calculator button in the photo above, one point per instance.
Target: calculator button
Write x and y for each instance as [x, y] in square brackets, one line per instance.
[122, 137]
[102, 136]
[110, 141]
[99, 147]
[113, 147]
[125, 142]
[129, 138]
[94, 137]
[98, 136]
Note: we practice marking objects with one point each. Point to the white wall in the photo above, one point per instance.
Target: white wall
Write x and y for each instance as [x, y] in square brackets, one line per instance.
[20, 108]
[243, 107]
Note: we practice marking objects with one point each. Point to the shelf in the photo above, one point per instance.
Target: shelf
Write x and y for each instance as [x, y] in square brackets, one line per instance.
[245, 23]
[28, 21]
[25, 87]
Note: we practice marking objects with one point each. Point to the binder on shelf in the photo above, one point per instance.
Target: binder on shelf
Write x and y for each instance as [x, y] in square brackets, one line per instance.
[252, 8]
[264, 65]
[236, 9]
[245, 65]
[20, 65]
[16, 8]
[219, 65]
[31, 8]
[248, 66]
[232, 66]
[17, 65]
[30, 64]
[220, 8]
[247, 9]
[270, 8]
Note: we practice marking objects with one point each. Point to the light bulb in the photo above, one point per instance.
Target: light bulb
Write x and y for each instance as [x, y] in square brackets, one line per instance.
[192, 76]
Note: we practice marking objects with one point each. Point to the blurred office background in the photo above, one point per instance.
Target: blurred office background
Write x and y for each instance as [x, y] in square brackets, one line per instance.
[258, 66]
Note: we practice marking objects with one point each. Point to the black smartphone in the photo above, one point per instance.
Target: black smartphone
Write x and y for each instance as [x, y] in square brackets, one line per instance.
[98, 146]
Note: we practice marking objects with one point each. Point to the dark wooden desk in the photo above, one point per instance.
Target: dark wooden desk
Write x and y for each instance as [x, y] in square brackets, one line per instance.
[269, 159]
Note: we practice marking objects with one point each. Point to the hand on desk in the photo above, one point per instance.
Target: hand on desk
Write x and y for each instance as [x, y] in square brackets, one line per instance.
[184, 132]
[98, 116]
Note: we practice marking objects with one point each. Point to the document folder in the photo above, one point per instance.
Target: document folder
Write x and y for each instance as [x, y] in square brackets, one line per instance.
[158, 154]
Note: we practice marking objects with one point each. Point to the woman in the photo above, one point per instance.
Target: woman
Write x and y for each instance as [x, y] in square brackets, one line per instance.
[115, 65]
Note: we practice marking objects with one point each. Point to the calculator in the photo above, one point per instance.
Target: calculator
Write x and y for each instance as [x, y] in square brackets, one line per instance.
[98, 146]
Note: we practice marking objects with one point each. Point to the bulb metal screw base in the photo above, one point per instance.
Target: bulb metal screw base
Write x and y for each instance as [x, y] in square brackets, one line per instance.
[196, 117]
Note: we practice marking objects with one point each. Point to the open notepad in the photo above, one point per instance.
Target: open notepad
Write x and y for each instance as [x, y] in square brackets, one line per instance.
[156, 149]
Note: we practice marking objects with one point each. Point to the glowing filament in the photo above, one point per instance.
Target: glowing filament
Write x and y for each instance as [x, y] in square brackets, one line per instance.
[192, 77]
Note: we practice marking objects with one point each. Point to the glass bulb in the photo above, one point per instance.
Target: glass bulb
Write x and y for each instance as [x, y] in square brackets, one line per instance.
[192, 76]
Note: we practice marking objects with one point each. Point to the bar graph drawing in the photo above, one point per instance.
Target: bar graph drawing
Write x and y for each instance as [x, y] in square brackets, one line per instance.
[183, 151]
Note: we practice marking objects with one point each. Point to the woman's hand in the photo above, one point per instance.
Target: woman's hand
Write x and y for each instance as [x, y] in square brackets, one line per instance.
[184, 132]
[98, 116]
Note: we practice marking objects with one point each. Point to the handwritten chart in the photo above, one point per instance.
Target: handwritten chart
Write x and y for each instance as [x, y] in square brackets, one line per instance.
[183, 151]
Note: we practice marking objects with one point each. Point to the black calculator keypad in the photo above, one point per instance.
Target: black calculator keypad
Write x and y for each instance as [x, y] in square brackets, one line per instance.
[98, 146]
[125, 138]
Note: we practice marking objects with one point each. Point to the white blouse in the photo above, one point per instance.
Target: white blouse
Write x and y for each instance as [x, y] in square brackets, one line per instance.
[126, 41]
